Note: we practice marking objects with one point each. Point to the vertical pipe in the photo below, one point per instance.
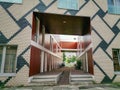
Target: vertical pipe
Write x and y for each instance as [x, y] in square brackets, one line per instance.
[45, 62]
[86, 62]
[50, 61]
[42, 52]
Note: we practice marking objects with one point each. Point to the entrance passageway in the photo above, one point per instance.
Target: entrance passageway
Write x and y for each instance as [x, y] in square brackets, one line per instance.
[53, 34]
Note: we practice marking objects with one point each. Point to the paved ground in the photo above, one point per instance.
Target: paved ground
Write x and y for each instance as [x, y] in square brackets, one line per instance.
[64, 87]
[64, 78]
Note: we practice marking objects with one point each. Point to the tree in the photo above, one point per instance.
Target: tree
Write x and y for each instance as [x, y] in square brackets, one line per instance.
[73, 59]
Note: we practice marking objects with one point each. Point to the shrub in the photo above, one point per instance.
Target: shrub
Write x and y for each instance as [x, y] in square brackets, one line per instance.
[78, 64]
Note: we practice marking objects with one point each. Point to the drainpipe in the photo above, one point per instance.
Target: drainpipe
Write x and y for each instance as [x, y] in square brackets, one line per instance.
[45, 62]
[42, 52]
[50, 61]
[86, 62]
[52, 55]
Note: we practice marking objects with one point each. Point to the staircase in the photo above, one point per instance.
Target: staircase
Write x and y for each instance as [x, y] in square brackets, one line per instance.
[62, 77]
[87, 78]
[45, 79]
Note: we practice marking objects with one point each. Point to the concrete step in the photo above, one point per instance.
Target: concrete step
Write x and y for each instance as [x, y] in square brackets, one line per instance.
[81, 79]
[81, 76]
[75, 79]
[44, 76]
[43, 80]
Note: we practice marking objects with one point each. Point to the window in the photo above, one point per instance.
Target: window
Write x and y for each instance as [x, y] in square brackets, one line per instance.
[7, 59]
[11, 1]
[68, 4]
[114, 6]
[116, 59]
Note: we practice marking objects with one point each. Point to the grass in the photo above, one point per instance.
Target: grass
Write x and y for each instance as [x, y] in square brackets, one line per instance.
[2, 85]
[116, 84]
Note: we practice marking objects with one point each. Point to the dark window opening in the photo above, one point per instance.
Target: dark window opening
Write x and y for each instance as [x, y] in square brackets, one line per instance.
[116, 59]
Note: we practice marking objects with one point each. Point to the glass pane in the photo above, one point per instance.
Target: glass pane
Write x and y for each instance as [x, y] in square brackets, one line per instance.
[116, 59]
[11, 1]
[119, 57]
[114, 6]
[1, 50]
[68, 4]
[10, 59]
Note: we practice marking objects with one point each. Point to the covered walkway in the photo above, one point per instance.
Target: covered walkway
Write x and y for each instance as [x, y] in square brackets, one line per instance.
[48, 45]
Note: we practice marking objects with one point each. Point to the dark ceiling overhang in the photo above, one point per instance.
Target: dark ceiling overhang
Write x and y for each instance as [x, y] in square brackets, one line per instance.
[64, 24]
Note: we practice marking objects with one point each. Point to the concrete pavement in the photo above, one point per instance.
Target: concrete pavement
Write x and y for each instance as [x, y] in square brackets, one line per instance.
[64, 87]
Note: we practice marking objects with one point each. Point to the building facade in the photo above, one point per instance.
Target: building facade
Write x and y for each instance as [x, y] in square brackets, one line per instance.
[16, 30]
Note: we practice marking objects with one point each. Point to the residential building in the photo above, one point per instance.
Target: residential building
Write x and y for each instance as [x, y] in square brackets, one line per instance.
[29, 46]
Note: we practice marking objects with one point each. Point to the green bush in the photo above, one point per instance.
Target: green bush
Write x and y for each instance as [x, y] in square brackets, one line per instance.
[78, 64]
[64, 57]
[116, 84]
[71, 59]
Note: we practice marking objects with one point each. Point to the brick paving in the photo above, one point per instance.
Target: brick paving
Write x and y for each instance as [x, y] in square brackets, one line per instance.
[64, 78]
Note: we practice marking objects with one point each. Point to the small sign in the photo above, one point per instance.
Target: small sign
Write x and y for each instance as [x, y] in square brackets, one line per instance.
[11, 1]
[68, 4]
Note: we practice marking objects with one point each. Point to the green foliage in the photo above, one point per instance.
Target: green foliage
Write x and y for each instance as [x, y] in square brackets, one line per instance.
[116, 84]
[64, 57]
[2, 85]
[68, 59]
[78, 64]
[71, 59]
